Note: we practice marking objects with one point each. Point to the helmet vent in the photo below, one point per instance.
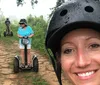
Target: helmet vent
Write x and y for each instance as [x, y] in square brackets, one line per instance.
[63, 13]
[89, 9]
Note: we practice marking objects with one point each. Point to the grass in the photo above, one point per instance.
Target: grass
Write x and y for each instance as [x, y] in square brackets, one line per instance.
[36, 79]
[39, 81]
[31, 78]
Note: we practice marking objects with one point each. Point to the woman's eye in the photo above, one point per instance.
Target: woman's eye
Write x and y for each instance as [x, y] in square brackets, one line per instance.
[68, 51]
[94, 45]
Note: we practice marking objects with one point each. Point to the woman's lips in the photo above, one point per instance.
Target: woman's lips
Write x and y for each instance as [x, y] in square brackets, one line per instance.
[86, 75]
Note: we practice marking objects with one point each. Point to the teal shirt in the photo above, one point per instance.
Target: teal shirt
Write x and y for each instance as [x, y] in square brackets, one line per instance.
[25, 32]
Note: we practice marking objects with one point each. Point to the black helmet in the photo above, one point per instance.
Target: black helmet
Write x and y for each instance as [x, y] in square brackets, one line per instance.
[71, 15]
[7, 18]
[23, 21]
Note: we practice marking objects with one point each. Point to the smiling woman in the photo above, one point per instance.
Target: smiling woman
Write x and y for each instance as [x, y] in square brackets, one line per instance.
[80, 54]
[73, 36]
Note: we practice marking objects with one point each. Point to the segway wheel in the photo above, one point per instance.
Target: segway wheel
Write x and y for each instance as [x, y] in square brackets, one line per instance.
[11, 33]
[4, 34]
[35, 65]
[16, 65]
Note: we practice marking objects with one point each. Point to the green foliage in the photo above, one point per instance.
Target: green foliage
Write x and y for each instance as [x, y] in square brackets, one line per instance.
[2, 24]
[39, 26]
[39, 81]
[31, 78]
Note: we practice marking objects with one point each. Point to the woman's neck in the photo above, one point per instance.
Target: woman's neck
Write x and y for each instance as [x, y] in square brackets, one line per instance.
[24, 27]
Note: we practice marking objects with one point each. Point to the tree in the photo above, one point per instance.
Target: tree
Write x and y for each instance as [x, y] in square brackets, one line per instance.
[21, 2]
[58, 3]
[1, 15]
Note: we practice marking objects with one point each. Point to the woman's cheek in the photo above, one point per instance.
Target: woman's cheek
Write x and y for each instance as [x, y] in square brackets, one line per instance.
[95, 56]
[65, 64]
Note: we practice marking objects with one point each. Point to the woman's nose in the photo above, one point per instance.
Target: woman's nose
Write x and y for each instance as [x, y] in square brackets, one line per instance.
[82, 59]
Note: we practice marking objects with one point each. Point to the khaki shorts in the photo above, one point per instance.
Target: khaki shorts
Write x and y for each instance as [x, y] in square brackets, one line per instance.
[22, 46]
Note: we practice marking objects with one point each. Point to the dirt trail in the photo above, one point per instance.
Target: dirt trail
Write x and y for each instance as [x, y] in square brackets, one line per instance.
[7, 77]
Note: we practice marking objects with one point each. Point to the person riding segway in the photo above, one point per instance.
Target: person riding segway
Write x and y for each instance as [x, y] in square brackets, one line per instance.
[8, 32]
[25, 33]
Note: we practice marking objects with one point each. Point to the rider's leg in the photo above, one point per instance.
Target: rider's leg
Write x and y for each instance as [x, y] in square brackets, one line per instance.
[29, 56]
[22, 55]
[7, 30]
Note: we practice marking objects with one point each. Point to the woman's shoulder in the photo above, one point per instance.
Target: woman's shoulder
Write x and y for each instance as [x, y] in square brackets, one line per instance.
[29, 27]
[19, 28]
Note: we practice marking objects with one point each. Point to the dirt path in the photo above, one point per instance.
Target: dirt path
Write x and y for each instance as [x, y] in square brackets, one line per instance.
[7, 77]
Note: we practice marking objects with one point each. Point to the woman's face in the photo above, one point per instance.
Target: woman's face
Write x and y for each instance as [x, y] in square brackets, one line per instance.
[80, 56]
[22, 25]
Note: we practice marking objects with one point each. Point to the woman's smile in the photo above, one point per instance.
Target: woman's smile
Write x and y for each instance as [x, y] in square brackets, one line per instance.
[86, 75]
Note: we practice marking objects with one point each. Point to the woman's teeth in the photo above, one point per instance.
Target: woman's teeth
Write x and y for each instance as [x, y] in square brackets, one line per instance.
[85, 74]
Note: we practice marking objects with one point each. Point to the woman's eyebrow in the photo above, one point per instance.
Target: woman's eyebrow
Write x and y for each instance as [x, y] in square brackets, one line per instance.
[66, 42]
[93, 38]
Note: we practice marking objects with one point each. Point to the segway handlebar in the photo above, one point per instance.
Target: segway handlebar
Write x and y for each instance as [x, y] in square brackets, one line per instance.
[25, 40]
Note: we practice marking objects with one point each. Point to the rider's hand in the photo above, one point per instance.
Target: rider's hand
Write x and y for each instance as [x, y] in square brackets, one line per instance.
[25, 37]
[21, 37]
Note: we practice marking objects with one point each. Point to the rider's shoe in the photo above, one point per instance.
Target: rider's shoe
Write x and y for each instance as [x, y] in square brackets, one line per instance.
[22, 65]
[29, 65]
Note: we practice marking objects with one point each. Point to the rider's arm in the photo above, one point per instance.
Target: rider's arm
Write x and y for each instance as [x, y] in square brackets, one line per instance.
[19, 33]
[19, 36]
[31, 35]
[31, 32]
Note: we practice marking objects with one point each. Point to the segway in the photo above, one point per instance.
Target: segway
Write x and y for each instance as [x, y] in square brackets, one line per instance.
[17, 63]
[8, 32]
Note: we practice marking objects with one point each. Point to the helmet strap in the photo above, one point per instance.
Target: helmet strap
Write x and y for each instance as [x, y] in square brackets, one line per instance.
[58, 72]
[57, 67]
